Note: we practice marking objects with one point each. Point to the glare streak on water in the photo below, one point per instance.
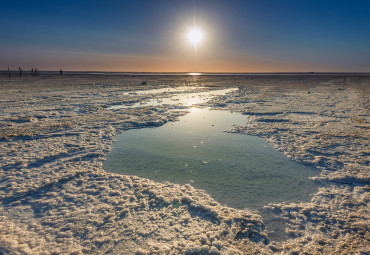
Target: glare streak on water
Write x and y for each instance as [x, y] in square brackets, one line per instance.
[162, 90]
[237, 170]
[178, 98]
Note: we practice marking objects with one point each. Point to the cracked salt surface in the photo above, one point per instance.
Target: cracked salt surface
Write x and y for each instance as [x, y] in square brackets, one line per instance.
[56, 198]
[241, 171]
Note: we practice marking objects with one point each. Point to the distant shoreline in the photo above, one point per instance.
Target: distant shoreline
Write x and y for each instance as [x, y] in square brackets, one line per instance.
[26, 73]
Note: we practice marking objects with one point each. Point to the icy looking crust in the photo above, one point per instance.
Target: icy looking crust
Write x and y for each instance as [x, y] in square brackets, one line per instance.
[55, 197]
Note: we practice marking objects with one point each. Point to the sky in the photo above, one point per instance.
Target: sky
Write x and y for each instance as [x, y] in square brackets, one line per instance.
[151, 35]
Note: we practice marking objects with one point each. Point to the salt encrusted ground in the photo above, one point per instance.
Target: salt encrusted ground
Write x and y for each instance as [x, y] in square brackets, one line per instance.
[56, 198]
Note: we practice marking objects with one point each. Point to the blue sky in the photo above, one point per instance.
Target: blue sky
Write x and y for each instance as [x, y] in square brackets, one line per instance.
[239, 36]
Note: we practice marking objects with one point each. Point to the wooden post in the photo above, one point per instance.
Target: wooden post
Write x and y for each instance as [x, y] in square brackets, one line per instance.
[9, 73]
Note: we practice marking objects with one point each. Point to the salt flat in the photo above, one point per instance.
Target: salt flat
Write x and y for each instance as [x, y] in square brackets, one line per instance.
[55, 197]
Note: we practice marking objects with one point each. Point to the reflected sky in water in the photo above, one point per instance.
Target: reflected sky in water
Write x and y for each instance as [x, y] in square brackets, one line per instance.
[237, 170]
[163, 90]
[182, 98]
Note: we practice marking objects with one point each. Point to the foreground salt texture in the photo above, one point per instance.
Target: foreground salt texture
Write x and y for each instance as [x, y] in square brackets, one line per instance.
[55, 197]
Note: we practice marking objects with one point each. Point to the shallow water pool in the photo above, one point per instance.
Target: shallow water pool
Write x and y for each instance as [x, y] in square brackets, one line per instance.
[238, 170]
[181, 96]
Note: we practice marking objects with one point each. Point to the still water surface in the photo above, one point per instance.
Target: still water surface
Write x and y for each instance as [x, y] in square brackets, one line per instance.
[180, 96]
[238, 170]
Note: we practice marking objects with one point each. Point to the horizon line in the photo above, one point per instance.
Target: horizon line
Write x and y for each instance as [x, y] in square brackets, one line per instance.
[194, 72]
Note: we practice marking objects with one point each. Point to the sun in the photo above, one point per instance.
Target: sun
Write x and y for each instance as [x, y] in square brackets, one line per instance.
[195, 36]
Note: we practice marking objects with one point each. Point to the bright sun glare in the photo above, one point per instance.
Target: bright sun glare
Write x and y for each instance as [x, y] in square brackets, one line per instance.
[195, 36]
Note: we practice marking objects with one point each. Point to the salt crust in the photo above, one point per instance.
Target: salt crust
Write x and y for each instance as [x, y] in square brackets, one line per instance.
[56, 198]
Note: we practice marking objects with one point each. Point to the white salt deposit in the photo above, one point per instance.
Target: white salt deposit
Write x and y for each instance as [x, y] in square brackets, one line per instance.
[56, 198]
